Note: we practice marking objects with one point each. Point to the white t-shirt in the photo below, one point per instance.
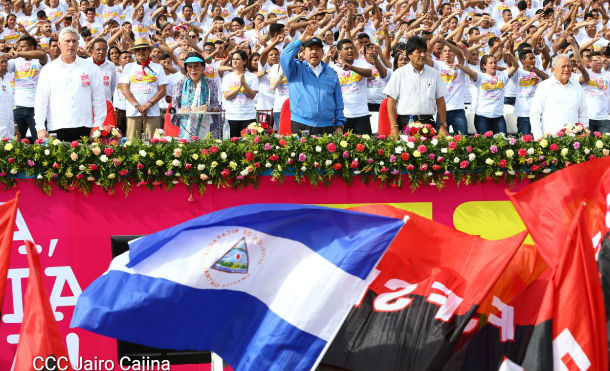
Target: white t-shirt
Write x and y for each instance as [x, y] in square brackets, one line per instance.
[353, 90]
[53, 14]
[110, 12]
[265, 96]
[10, 36]
[470, 94]
[118, 99]
[455, 81]
[490, 94]
[141, 29]
[281, 91]
[376, 84]
[26, 79]
[526, 83]
[94, 27]
[240, 107]
[143, 86]
[596, 95]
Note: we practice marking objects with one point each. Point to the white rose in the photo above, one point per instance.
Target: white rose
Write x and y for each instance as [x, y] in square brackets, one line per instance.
[318, 149]
[176, 163]
[47, 152]
[268, 164]
[410, 144]
[13, 171]
[293, 154]
[471, 156]
[81, 167]
[142, 153]
[599, 144]
[200, 167]
[223, 155]
[530, 151]
[499, 173]
[434, 141]
[456, 160]
[39, 176]
[303, 168]
[244, 172]
[443, 150]
[328, 162]
[381, 163]
[103, 158]
[398, 150]
[74, 156]
[489, 161]
[511, 172]
[546, 171]
[587, 151]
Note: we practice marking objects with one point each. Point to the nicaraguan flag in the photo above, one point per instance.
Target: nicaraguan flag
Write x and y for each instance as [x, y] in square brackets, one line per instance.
[265, 286]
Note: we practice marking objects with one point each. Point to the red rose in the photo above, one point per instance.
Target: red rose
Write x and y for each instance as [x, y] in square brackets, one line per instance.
[290, 161]
[527, 138]
[283, 142]
[331, 147]
[105, 133]
[79, 176]
[354, 164]
[554, 147]
[502, 163]
[453, 145]
[534, 168]
[214, 149]
[74, 144]
[257, 139]
[359, 147]
[422, 149]
[108, 151]
[93, 167]
[440, 159]
[188, 166]
[5, 139]
[25, 141]
[264, 125]
[522, 152]
[337, 166]
[249, 156]
[55, 165]
[164, 140]
[234, 139]
[155, 140]
[423, 167]
[597, 134]
[592, 157]
[225, 173]
[257, 164]
[140, 166]
[380, 152]
[488, 134]
[405, 156]
[381, 137]
[204, 151]
[11, 160]
[123, 172]
[436, 167]
[384, 170]
[410, 167]
[457, 138]
[274, 157]
[464, 164]
[469, 149]
[413, 130]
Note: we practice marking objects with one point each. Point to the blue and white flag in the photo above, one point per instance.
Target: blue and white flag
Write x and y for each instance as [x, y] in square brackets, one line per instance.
[265, 286]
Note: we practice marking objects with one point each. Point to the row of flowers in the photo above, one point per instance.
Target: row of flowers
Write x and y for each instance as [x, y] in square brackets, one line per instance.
[418, 160]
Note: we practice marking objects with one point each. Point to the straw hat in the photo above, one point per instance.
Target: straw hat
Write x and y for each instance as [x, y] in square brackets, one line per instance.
[141, 44]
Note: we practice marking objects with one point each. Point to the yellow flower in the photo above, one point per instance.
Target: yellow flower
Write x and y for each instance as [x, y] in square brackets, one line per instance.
[195, 156]
[56, 142]
[416, 153]
[489, 161]
[343, 143]
[159, 163]
[544, 143]
[260, 130]
[69, 174]
[111, 176]
[510, 153]
[233, 165]
[499, 173]
[214, 164]
[8, 146]
[564, 152]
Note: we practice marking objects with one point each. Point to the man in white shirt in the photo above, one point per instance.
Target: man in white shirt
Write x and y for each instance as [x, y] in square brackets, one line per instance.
[353, 76]
[415, 91]
[26, 65]
[143, 84]
[70, 95]
[558, 101]
[107, 69]
[597, 95]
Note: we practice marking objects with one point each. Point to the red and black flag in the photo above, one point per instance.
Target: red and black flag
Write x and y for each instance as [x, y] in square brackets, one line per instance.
[429, 284]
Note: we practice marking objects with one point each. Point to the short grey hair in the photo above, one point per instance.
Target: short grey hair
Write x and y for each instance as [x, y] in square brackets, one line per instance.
[65, 31]
[559, 57]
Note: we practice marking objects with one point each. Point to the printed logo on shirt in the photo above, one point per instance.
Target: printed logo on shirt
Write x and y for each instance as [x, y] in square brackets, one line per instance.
[597, 84]
[139, 77]
[84, 79]
[493, 84]
[448, 75]
[349, 82]
[209, 72]
[113, 14]
[528, 81]
[106, 80]
[26, 75]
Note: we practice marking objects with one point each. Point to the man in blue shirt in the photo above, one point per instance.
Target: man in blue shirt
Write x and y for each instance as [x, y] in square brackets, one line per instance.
[316, 103]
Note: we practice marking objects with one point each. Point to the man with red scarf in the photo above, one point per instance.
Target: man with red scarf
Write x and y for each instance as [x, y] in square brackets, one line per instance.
[107, 69]
[143, 84]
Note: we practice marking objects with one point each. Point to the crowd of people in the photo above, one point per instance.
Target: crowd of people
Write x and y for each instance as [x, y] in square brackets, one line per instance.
[336, 60]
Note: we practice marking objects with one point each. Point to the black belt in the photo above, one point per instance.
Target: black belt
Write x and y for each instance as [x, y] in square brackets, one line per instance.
[419, 117]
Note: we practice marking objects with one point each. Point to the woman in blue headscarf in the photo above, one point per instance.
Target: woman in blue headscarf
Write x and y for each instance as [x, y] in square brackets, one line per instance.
[196, 93]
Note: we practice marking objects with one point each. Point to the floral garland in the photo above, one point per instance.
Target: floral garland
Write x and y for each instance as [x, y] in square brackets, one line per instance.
[418, 160]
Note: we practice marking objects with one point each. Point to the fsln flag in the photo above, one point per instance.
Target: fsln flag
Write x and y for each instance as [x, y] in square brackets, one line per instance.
[8, 214]
[425, 291]
[265, 286]
[549, 205]
[556, 323]
[40, 342]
